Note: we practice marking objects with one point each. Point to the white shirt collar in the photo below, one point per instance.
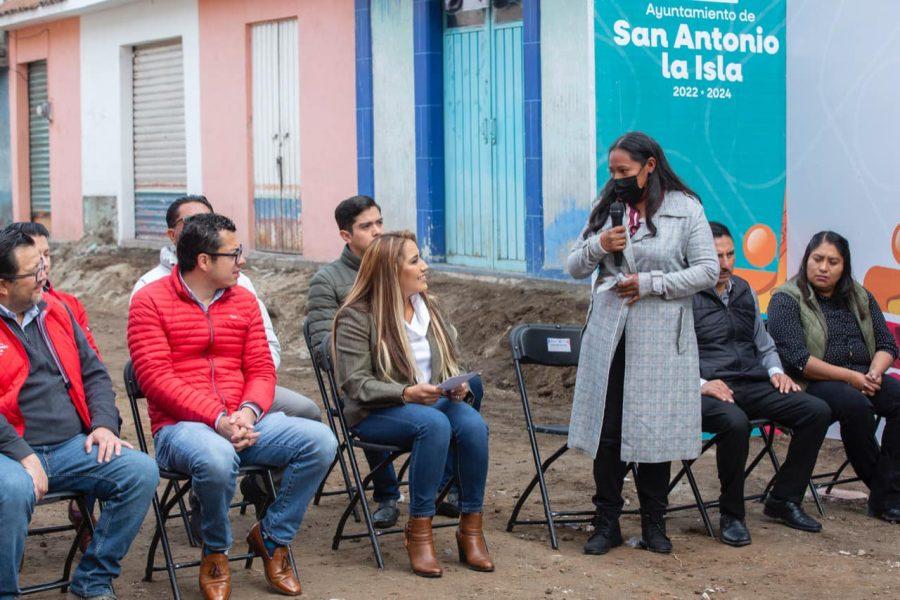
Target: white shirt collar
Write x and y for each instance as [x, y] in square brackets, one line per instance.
[421, 318]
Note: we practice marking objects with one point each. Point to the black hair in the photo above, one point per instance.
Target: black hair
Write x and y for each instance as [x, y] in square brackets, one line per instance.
[719, 230]
[641, 147]
[843, 290]
[172, 211]
[10, 239]
[346, 212]
[29, 228]
[201, 236]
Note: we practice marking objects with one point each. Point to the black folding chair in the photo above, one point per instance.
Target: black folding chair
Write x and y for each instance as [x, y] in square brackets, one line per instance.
[177, 485]
[339, 458]
[559, 346]
[334, 405]
[833, 478]
[63, 582]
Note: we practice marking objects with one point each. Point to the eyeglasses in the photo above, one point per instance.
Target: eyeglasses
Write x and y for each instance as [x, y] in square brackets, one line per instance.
[236, 255]
[38, 275]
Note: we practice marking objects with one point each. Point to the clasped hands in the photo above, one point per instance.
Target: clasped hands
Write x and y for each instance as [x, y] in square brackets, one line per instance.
[239, 428]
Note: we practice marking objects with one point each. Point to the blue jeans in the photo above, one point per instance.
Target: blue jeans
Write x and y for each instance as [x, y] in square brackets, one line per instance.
[428, 431]
[384, 482]
[302, 447]
[125, 484]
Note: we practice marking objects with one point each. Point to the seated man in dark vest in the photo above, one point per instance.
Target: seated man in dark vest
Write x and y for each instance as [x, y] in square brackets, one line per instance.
[742, 379]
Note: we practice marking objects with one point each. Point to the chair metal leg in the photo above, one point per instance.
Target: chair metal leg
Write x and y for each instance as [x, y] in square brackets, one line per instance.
[815, 495]
[185, 517]
[403, 468]
[321, 487]
[538, 479]
[359, 496]
[86, 524]
[837, 476]
[701, 506]
[161, 536]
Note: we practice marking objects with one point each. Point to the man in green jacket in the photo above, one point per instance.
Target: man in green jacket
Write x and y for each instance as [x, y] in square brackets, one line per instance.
[359, 223]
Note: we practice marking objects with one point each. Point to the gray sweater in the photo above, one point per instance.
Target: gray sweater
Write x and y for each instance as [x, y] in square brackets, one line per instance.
[327, 291]
[50, 417]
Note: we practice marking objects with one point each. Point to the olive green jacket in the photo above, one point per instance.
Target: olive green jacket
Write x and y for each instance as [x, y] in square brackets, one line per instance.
[328, 289]
[361, 388]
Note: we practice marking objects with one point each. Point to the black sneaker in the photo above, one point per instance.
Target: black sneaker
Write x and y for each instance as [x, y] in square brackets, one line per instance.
[791, 514]
[733, 531]
[653, 534]
[449, 507]
[607, 535]
[386, 515]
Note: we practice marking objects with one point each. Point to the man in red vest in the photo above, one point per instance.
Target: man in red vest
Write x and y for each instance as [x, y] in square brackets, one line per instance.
[41, 237]
[59, 427]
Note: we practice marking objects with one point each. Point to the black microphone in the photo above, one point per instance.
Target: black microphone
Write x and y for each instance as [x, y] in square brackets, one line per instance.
[617, 213]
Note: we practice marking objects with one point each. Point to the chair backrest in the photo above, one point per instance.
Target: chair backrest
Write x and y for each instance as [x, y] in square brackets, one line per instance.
[546, 344]
[133, 389]
[323, 367]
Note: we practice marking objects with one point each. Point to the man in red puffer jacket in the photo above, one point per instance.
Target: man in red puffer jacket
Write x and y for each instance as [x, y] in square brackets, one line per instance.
[200, 355]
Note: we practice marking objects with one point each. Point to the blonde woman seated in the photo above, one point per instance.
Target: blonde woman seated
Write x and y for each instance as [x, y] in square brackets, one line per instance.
[392, 346]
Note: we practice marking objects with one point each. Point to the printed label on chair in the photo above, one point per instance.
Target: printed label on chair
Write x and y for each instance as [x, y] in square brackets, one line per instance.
[559, 345]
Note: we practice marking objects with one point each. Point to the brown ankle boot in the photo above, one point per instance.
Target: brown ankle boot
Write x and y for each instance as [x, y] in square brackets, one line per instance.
[215, 577]
[470, 541]
[419, 544]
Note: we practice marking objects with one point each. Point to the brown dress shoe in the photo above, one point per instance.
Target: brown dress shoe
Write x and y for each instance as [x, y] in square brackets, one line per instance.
[278, 569]
[419, 544]
[215, 577]
[470, 542]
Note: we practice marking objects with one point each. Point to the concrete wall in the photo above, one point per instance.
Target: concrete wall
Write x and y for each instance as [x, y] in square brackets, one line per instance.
[568, 128]
[394, 115]
[58, 43]
[106, 50]
[5, 172]
[327, 110]
[843, 125]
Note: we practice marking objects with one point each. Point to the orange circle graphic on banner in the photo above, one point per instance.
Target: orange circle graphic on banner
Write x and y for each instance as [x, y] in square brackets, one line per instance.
[760, 245]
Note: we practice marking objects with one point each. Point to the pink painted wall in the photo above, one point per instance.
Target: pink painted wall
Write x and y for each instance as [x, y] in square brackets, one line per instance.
[327, 111]
[59, 43]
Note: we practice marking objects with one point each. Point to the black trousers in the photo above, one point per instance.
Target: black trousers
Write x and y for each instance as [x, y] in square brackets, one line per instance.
[879, 469]
[807, 416]
[609, 470]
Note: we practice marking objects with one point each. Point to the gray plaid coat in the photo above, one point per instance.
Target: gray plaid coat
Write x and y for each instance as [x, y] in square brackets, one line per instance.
[661, 407]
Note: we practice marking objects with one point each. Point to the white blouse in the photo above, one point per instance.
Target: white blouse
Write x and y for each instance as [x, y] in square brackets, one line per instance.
[417, 334]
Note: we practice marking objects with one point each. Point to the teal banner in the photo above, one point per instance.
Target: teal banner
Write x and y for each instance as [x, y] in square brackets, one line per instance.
[707, 80]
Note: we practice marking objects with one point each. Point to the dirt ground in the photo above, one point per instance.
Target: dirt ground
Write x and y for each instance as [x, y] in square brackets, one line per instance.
[854, 557]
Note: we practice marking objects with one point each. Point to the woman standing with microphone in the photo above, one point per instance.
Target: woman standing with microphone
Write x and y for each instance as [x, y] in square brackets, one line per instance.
[637, 390]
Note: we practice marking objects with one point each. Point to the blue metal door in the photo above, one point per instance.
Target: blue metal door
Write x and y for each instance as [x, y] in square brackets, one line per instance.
[484, 138]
